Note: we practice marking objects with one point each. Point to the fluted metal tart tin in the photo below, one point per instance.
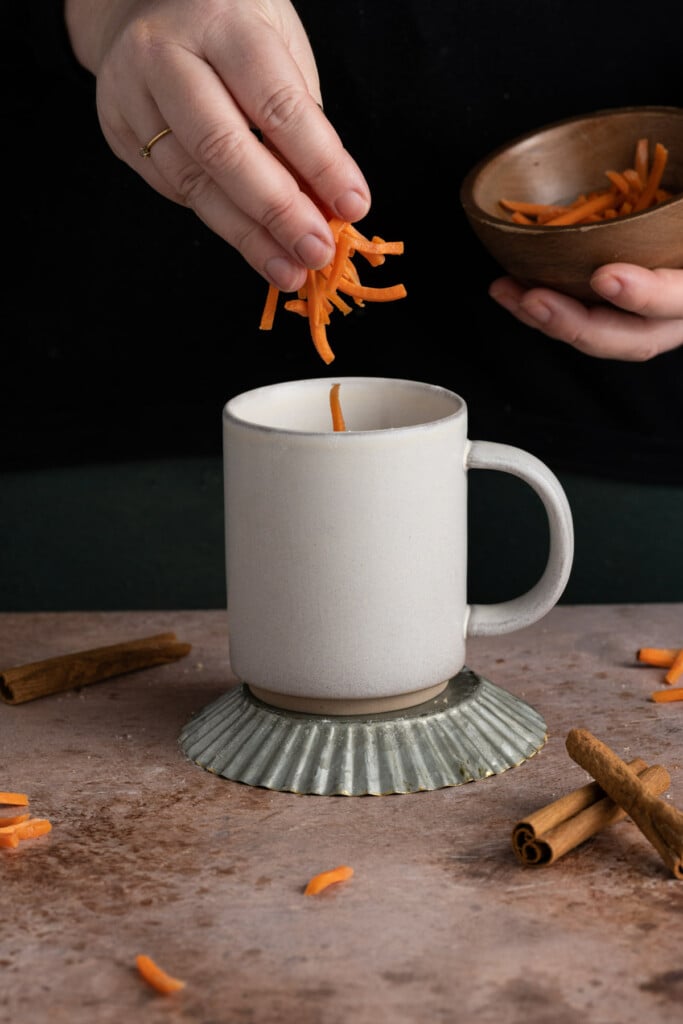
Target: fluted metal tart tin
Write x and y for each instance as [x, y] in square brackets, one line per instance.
[473, 729]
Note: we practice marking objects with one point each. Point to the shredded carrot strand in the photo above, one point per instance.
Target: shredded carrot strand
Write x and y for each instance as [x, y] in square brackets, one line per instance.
[20, 799]
[596, 204]
[33, 828]
[320, 294]
[156, 976]
[338, 422]
[665, 696]
[268, 315]
[661, 657]
[659, 159]
[675, 670]
[14, 820]
[326, 878]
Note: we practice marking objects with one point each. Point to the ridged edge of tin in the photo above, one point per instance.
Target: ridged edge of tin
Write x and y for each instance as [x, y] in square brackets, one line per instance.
[472, 730]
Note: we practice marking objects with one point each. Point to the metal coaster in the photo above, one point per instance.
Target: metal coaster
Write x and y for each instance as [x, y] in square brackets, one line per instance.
[471, 730]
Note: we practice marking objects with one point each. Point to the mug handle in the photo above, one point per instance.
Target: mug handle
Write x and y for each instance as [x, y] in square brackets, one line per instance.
[507, 616]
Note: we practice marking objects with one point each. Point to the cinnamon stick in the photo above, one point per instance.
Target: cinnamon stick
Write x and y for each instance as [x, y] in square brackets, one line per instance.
[549, 833]
[81, 668]
[660, 823]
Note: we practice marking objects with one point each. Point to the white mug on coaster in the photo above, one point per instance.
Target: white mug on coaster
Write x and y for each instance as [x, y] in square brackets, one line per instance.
[346, 550]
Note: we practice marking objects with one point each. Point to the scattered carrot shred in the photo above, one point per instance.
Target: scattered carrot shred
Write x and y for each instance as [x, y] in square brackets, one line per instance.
[327, 878]
[33, 828]
[18, 799]
[660, 657]
[629, 191]
[16, 827]
[665, 696]
[670, 658]
[675, 670]
[320, 293]
[156, 976]
[14, 819]
[338, 422]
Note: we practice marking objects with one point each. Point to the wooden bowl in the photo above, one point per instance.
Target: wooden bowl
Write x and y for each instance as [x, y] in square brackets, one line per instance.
[555, 164]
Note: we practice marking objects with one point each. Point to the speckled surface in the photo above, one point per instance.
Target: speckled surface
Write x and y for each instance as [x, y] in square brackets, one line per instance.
[440, 923]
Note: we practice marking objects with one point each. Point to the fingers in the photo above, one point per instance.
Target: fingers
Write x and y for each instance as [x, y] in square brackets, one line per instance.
[602, 331]
[211, 82]
[651, 293]
[285, 107]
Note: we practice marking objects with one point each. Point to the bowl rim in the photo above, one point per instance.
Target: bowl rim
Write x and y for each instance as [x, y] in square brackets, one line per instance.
[471, 208]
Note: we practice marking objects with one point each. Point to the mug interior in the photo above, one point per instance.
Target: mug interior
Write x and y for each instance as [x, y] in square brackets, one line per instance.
[368, 403]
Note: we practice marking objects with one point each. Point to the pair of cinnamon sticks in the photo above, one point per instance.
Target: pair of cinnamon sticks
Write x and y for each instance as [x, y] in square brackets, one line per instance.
[620, 790]
[80, 668]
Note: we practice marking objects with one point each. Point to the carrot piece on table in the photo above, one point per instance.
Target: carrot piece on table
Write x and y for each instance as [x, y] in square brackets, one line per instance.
[18, 799]
[156, 976]
[675, 670]
[326, 878]
[338, 422]
[661, 657]
[664, 696]
[8, 840]
[33, 828]
[268, 314]
[14, 819]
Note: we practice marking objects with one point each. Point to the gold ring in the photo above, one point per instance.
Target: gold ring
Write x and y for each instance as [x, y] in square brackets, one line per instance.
[146, 150]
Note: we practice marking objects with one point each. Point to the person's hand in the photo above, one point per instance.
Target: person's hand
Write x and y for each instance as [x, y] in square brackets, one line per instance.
[211, 71]
[641, 318]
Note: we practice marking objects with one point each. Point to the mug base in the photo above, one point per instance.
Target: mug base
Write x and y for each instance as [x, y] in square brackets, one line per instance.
[471, 730]
[361, 706]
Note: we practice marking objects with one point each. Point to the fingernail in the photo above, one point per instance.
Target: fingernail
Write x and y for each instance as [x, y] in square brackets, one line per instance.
[313, 252]
[607, 285]
[284, 274]
[351, 206]
[538, 311]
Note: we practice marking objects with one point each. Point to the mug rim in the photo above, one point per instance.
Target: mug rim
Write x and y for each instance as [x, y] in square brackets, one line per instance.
[231, 412]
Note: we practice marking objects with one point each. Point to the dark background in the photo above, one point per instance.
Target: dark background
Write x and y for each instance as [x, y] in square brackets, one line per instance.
[127, 324]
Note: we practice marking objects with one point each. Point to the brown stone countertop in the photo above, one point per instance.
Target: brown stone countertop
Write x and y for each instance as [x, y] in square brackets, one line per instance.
[150, 853]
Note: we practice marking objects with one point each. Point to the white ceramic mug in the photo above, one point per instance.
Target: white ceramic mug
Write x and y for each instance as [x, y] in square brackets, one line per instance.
[346, 551]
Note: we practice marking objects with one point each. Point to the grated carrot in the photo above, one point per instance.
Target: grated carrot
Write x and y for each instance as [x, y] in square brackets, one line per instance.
[14, 819]
[320, 292]
[629, 191]
[338, 422]
[661, 657]
[156, 976]
[327, 878]
[20, 799]
[33, 828]
[664, 696]
[675, 670]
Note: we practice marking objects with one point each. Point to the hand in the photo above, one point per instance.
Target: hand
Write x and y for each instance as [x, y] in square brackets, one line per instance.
[212, 70]
[643, 317]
